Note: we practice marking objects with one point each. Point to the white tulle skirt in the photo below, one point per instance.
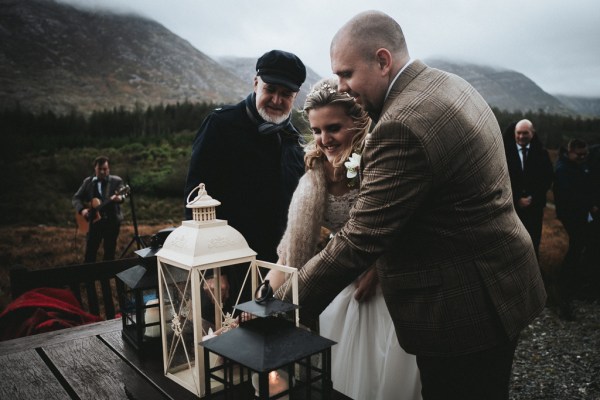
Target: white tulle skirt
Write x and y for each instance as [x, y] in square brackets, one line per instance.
[368, 363]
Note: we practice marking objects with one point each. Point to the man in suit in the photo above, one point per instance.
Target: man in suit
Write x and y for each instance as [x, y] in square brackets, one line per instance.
[457, 269]
[531, 174]
[104, 187]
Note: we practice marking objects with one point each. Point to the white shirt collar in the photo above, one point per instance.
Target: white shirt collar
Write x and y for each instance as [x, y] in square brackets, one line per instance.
[410, 60]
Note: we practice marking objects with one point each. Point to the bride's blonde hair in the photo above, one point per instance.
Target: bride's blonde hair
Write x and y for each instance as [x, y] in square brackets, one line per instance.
[324, 93]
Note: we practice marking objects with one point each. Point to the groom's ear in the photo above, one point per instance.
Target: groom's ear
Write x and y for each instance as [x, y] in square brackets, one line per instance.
[384, 59]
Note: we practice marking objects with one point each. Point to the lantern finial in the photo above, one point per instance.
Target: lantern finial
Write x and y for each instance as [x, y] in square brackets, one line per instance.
[203, 206]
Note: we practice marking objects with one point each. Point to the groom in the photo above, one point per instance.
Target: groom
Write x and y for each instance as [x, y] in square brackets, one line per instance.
[457, 267]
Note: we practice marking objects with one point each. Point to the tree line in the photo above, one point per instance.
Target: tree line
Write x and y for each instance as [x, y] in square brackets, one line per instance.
[27, 131]
[48, 155]
[554, 130]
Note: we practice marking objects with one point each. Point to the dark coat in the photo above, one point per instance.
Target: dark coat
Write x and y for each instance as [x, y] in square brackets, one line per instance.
[253, 175]
[575, 191]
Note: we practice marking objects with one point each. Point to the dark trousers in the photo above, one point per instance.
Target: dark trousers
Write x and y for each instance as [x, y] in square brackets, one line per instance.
[532, 218]
[583, 240]
[476, 376]
[104, 230]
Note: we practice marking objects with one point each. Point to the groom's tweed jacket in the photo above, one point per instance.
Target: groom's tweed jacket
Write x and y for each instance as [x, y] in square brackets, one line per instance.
[435, 212]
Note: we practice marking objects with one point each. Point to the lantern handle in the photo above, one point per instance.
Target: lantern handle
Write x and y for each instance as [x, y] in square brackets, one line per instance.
[263, 293]
[201, 190]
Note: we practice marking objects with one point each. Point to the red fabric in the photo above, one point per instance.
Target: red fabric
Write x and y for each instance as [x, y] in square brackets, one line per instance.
[42, 310]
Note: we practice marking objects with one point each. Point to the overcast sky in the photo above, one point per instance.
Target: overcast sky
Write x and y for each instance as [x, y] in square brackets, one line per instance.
[556, 43]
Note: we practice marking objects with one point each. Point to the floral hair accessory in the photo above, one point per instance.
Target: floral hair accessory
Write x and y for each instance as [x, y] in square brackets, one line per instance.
[352, 166]
[325, 86]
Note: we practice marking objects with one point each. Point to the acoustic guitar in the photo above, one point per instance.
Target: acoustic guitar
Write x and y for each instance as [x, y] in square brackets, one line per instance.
[95, 207]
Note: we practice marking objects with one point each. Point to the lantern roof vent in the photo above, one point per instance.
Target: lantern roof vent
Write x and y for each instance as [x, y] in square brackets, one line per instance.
[203, 206]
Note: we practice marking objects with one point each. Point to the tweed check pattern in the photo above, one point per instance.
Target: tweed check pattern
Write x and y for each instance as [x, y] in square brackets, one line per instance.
[457, 267]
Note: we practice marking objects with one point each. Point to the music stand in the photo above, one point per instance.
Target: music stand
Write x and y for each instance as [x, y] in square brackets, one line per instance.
[136, 237]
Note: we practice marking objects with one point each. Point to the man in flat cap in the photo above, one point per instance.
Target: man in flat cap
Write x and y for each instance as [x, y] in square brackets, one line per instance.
[250, 158]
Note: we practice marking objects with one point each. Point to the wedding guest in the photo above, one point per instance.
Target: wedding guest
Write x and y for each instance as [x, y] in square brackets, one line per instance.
[577, 199]
[434, 213]
[531, 174]
[367, 362]
[249, 157]
[98, 202]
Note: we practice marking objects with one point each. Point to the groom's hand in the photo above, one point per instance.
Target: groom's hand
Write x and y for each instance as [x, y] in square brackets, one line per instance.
[366, 285]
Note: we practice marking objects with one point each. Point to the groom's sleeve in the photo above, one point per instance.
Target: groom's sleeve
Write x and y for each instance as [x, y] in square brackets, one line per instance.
[396, 179]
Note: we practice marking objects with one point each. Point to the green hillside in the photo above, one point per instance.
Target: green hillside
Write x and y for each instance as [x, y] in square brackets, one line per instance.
[44, 157]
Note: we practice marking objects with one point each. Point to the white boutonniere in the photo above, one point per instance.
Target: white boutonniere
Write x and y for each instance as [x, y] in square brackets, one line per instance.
[352, 166]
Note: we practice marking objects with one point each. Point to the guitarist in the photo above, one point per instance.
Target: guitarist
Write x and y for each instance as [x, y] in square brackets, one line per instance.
[98, 201]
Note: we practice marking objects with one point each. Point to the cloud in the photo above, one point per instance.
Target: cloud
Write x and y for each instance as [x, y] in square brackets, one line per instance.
[553, 42]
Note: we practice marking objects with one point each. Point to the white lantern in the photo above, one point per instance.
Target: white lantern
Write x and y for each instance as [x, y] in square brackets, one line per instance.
[192, 253]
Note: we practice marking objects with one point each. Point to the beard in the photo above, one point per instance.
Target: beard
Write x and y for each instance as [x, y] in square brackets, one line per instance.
[262, 111]
[274, 119]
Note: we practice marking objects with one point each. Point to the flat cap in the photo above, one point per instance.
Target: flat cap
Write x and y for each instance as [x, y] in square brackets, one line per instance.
[279, 67]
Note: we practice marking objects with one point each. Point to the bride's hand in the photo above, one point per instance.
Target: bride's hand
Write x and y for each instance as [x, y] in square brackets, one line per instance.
[366, 285]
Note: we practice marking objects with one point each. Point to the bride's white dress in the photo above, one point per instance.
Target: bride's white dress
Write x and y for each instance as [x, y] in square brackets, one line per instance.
[367, 362]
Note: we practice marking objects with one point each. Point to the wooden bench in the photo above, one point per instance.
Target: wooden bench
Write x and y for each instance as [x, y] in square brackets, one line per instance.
[94, 284]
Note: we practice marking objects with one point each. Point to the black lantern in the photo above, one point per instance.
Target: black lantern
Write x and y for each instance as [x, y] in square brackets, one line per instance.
[139, 298]
[271, 347]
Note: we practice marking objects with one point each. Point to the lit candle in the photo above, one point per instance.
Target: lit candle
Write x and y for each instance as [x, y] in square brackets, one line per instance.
[278, 382]
[152, 315]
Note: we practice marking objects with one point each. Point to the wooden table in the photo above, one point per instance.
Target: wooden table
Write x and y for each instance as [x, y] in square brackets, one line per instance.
[86, 362]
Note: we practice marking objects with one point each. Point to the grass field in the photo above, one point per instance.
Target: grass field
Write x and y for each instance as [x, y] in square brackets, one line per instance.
[47, 246]
[40, 247]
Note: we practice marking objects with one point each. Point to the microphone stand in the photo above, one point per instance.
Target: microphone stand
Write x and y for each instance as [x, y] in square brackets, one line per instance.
[136, 237]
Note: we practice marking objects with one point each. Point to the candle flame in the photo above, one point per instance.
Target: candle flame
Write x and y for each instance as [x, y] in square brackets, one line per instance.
[273, 376]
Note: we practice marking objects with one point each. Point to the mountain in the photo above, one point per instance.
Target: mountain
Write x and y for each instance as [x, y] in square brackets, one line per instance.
[584, 106]
[56, 57]
[505, 89]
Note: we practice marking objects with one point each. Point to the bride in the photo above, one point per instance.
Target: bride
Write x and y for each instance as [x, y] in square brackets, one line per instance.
[367, 362]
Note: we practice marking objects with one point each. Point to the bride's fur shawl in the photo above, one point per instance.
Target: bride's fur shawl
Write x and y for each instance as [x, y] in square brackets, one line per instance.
[305, 217]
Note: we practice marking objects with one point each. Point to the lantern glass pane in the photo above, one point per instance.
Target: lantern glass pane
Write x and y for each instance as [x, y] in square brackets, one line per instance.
[177, 310]
[128, 307]
[151, 313]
